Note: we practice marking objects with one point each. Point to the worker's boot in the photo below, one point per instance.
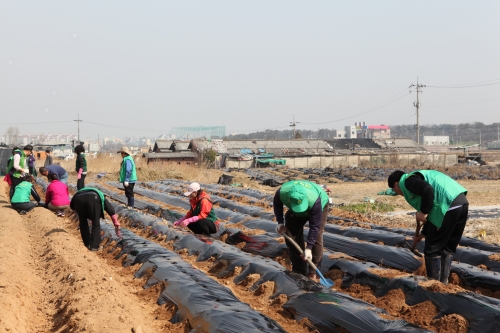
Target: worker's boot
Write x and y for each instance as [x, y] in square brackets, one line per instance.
[433, 267]
[446, 260]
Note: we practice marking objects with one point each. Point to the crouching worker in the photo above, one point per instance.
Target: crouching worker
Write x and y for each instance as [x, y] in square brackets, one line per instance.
[442, 208]
[306, 201]
[57, 195]
[21, 197]
[90, 204]
[200, 219]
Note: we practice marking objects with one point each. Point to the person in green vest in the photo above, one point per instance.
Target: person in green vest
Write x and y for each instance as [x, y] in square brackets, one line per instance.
[18, 165]
[20, 200]
[128, 175]
[90, 204]
[306, 201]
[442, 208]
[200, 219]
[81, 166]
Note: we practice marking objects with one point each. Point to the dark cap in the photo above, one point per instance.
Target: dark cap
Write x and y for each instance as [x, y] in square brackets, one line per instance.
[28, 147]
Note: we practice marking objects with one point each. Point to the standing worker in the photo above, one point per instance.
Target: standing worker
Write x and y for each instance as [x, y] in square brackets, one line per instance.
[48, 158]
[90, 204]
[17, 166]
[20, 200]
[59, 171]
[200, 219]
[32, 164]
[128, 175]
[442, 208]
[306, 201]
[81, 166]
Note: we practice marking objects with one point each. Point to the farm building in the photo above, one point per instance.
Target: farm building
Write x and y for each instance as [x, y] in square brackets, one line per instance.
[186, 157]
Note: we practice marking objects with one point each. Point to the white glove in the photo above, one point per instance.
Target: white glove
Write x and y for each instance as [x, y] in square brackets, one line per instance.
[280, 228]
[125, 184]
[308, 254]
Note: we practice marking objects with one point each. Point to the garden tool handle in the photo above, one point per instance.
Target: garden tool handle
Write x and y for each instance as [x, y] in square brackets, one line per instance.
[288, 238]
[417, 233]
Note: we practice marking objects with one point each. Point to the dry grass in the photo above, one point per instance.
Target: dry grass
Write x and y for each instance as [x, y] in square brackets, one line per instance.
[145, 172]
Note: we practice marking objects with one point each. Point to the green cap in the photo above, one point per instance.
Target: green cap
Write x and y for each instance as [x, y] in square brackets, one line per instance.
[298, 199]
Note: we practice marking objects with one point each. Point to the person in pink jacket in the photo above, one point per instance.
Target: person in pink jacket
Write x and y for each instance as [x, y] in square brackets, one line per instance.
[57, 195]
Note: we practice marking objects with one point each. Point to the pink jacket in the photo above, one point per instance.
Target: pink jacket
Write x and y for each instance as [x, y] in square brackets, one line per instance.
[57, 194]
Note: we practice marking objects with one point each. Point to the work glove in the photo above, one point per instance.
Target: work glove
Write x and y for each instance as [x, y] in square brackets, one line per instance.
[114, 219]
[189, 220]
[80, 171]
[418, 239]
[307, 254]
[280, 228]
[179, 221]
[118, 232]
[125, 184]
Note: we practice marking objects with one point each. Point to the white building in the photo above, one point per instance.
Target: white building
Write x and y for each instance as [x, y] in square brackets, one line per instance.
[350, 132]
[338, 134]
[436, 140]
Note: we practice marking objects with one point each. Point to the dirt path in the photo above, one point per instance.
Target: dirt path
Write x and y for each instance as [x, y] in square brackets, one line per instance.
[51, 283]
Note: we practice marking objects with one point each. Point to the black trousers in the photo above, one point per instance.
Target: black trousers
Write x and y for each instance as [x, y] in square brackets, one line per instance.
[89, 206]
[26, 206]
[295, 225]
[80, 183]
[204, 227]
[129, 190]
[445, 239]
[15, 181]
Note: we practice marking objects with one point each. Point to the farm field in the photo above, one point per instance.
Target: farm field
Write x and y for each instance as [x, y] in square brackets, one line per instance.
[163, 279]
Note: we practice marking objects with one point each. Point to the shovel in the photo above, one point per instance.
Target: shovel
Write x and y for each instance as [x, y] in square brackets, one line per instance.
[414, 245]
[324, 281]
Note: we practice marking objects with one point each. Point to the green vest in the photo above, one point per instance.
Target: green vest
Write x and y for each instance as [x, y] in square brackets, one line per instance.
[22, 162]
[123, 170]
[84, 166]
[101, 195]
[313, 191]
[211, 216]
[445, 191]
[22, 193]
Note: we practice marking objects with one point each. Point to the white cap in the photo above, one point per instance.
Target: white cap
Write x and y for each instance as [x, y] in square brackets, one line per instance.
[192, 188]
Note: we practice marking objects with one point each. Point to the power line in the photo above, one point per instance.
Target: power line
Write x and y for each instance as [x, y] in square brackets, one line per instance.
[470, 85]
[483, 100]
[374, 108]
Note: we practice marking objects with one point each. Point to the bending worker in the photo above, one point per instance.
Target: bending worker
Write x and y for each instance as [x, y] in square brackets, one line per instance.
[128, 175]
[442, 208]
[306, 201]
[90, 203]
[200, 219]
[54, 169]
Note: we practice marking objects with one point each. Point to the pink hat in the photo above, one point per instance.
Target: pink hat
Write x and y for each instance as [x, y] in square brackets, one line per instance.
[192, 188]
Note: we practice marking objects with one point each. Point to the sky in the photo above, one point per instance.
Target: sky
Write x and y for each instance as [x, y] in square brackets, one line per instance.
[139, 68]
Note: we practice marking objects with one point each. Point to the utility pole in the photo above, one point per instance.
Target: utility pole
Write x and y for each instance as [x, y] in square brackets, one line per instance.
[417, 106]
[294, 124]
[498, 132]
[78, 121]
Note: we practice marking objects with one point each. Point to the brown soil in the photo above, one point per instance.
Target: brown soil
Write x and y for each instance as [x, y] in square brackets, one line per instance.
[482, 266]
[451, 324]
[49, 282]
[495, 257]
[437, 286]
[388, 273]
[420, 314]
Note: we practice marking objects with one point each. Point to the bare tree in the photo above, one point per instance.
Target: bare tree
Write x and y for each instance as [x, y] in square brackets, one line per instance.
[12, 133]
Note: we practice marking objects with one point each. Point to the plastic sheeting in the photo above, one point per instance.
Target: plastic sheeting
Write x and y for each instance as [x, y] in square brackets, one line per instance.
[206, 308]
[483, 313]
[476, 277]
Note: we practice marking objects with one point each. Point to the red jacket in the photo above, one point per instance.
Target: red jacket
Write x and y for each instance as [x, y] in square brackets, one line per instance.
[57, 194]
[205, 208]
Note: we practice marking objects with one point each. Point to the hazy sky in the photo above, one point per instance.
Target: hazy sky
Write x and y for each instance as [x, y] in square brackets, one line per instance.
[248, 65]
